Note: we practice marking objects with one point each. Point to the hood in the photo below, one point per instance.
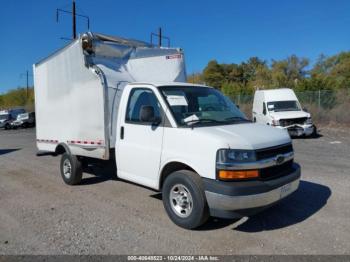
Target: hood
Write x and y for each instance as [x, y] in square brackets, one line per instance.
[289, 114]
[246, 136]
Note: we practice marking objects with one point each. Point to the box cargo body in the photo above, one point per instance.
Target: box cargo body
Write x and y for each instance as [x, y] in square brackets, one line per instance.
[77, 89]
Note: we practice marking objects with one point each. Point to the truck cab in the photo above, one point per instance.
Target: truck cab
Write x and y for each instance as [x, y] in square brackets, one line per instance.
[24, 120]
[280, 108]
[193, 144]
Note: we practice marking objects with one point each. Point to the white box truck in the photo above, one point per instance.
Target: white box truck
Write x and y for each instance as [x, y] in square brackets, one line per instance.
[280, 108]
[121, 100]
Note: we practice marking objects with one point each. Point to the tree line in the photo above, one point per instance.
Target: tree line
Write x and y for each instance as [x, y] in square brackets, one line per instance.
[18, 98]
[328, 73]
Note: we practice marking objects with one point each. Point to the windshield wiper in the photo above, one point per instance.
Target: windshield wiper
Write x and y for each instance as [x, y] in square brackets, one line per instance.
[287, 109]
[239, 118]
[203, 120]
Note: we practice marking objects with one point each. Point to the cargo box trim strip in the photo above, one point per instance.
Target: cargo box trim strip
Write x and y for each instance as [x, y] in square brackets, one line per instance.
[47, 141]
[99, 143]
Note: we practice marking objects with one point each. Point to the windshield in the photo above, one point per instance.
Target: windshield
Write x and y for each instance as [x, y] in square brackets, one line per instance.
[15, 112]
[22, 116]
[201, 106]
[279, 106]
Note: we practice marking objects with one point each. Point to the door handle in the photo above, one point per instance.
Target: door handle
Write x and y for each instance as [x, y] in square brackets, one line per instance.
[122, 132]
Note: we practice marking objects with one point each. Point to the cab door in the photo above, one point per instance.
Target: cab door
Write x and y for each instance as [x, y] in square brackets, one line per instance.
[261, 114]
[139, 142]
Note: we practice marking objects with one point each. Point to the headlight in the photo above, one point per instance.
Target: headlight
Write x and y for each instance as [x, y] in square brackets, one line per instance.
[234, 156]
[308, 121]
[226, 157]
[275, 122]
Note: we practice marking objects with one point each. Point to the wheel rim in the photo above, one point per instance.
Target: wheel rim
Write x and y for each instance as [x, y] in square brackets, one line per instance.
[181, 200]
[67, 168]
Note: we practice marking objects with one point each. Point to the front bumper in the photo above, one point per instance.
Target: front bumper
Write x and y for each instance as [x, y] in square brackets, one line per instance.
[299, 130]
[17, 123]
[237, 199]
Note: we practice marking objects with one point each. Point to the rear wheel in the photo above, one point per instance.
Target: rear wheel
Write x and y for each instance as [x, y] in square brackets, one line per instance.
[71, 169]
[184, 199]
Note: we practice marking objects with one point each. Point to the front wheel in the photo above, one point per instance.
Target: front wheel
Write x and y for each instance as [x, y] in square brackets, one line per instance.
[314, 132]
[184, 199]
[71, 169]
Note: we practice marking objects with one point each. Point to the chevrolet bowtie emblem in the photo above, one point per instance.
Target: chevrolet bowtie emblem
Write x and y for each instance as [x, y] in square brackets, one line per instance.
[279, 159]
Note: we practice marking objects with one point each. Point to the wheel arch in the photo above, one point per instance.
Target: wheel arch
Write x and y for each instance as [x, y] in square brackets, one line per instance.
[171, 167]
[62, 148]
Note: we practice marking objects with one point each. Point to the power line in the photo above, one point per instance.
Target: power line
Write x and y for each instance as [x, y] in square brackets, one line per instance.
[74, 15]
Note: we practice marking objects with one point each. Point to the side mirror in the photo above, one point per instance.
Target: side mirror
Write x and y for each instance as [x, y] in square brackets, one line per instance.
[237, 106]
[147, 115]
[305, 109]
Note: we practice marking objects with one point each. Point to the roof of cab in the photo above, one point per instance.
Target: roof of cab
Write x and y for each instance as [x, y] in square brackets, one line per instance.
[280, 94]
[159, 84]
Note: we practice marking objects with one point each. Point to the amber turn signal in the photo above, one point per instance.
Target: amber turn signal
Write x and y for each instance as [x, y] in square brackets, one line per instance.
[238, 174]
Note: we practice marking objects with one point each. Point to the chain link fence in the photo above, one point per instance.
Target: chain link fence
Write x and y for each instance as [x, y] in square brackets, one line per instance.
[326, 106]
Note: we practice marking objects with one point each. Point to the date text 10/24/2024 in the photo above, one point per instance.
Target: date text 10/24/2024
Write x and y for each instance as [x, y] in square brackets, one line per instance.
[173, 258]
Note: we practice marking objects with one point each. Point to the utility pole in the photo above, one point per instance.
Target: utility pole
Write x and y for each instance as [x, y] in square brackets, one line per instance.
[74, 21]
[27, 75]
[160, 37]
[27, 83]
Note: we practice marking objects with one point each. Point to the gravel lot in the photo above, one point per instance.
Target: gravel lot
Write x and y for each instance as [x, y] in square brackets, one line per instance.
[39, 214]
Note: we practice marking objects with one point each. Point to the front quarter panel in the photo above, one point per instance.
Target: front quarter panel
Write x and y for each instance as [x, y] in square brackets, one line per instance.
[190, 148]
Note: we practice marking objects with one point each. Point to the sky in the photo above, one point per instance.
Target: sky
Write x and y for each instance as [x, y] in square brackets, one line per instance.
[229, 31]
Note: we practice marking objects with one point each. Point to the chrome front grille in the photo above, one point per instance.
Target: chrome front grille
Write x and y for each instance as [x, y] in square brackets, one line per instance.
[273, 151]
[292, 121]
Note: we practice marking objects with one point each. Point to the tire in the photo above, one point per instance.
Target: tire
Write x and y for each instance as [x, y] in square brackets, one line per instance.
[314, 133]
[71, 169]
[7, 127]
[194, 212]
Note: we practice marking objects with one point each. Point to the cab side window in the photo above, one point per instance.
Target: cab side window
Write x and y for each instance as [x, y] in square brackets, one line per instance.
[138, 98]
[264, 108]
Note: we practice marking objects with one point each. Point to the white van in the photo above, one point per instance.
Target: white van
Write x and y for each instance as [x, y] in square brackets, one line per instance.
[280, 108]
[125, 102]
